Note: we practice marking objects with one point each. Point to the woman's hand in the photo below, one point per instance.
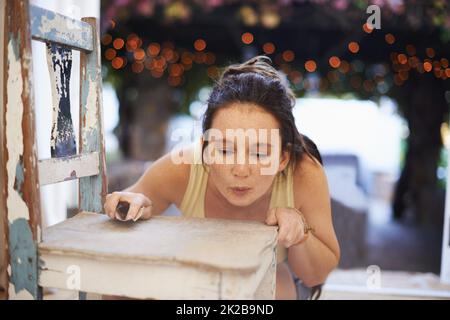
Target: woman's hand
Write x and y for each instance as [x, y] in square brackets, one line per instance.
[140, 205]
[292, 225]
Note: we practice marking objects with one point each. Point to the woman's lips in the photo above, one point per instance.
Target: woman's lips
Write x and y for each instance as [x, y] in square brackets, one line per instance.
[240, 191]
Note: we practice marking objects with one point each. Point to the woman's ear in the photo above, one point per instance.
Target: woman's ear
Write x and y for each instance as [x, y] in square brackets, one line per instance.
[284, 159]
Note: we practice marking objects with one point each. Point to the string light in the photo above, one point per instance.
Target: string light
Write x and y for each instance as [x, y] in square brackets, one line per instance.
[269, 48]
[310, 66]
[427, 66]
[200, 44]
[430, 52]
[110, 53]
[118, 43]
[288, 56]
[106, 39]
[353, 47]
[334, 62]
[389, 38]
[247, 38]
[367, 28]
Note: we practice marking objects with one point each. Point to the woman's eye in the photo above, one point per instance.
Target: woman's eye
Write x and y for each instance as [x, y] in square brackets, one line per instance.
[260, 155]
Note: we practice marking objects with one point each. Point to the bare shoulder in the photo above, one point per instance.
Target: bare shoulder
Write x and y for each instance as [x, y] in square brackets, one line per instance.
[307, 169]
[310, 183]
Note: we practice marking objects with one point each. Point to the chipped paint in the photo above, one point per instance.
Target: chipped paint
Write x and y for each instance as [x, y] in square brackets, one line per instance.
[16, 206]
[90, 119]
[21, 187]
[23, 258]
[62, 141]
[21, 295]
[18, 183]
[48, 25]
[73, 175]
[92, 190]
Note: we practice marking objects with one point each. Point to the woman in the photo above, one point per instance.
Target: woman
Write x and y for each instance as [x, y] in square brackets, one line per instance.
[290, 190]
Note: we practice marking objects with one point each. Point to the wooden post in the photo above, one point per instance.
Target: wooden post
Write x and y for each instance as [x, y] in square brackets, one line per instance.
[21, 221]
[3, 266]
[92, 190]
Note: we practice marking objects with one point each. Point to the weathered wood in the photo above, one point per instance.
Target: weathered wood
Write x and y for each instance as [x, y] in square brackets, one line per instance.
[62, 141]
[56, 170]
[92, 190]
[21, 190]
[49, 26]
[164, 257]
[267, 287]
[3, 248]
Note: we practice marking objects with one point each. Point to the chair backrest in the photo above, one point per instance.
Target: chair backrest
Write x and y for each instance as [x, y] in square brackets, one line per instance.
[22, 172]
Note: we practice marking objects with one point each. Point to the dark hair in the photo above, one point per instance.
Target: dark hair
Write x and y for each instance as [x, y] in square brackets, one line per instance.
[257, 82]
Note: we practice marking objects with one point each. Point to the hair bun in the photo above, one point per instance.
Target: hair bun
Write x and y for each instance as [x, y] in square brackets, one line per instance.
[259, 64]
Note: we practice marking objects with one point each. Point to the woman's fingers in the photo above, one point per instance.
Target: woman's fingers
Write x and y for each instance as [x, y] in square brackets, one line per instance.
[134, 210]
[139, 205]
[139, 214]
[271, 218]
[112, 200]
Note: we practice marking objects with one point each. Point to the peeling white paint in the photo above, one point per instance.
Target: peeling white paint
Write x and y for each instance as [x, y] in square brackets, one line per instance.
[21, 295]
[91, 112]
[39, 234]
[65, 27]
[16, 206]
[58, 91]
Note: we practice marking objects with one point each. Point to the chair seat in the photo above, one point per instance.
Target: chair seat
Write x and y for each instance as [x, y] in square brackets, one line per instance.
[164, 257]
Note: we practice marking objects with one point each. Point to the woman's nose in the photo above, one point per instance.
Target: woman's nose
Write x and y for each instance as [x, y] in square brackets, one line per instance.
[241, 170]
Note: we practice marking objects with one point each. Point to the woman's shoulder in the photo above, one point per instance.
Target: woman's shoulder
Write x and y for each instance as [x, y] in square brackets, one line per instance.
[307, 166]
[309, 178]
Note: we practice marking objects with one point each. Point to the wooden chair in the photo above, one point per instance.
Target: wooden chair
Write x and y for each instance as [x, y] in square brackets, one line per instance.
[162, 258]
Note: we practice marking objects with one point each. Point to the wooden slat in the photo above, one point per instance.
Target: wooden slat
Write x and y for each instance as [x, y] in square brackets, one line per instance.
[164, 257]
[22, 218]
[62, 139]
[50, 26]
[56, 170]
[92, 190]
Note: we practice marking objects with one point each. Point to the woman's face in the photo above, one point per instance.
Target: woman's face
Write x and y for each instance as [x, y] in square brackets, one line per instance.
[245, 148]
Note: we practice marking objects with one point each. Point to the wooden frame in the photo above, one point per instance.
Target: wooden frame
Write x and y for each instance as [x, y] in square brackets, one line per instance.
[20, 175]
[242, 258]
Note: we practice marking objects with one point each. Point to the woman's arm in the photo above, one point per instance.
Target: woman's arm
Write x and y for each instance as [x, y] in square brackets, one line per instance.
[313, 259]
[162, 184]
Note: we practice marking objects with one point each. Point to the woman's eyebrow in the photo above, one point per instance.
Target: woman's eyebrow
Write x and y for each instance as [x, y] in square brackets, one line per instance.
[259, 144]
[227, 142]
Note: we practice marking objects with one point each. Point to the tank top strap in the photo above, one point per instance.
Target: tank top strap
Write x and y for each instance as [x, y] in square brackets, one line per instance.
[283, 189]
[192, 204]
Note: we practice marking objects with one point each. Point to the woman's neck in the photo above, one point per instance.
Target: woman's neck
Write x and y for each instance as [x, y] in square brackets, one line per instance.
[255, 211]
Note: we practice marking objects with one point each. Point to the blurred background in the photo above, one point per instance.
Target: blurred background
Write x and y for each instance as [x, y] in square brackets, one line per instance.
[373, 93]
[374, 100]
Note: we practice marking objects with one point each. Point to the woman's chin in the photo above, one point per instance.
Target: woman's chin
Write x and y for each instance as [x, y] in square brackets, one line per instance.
[240, 201]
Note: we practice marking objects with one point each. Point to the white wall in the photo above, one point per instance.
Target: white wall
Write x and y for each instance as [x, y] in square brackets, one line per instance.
[58, 197]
